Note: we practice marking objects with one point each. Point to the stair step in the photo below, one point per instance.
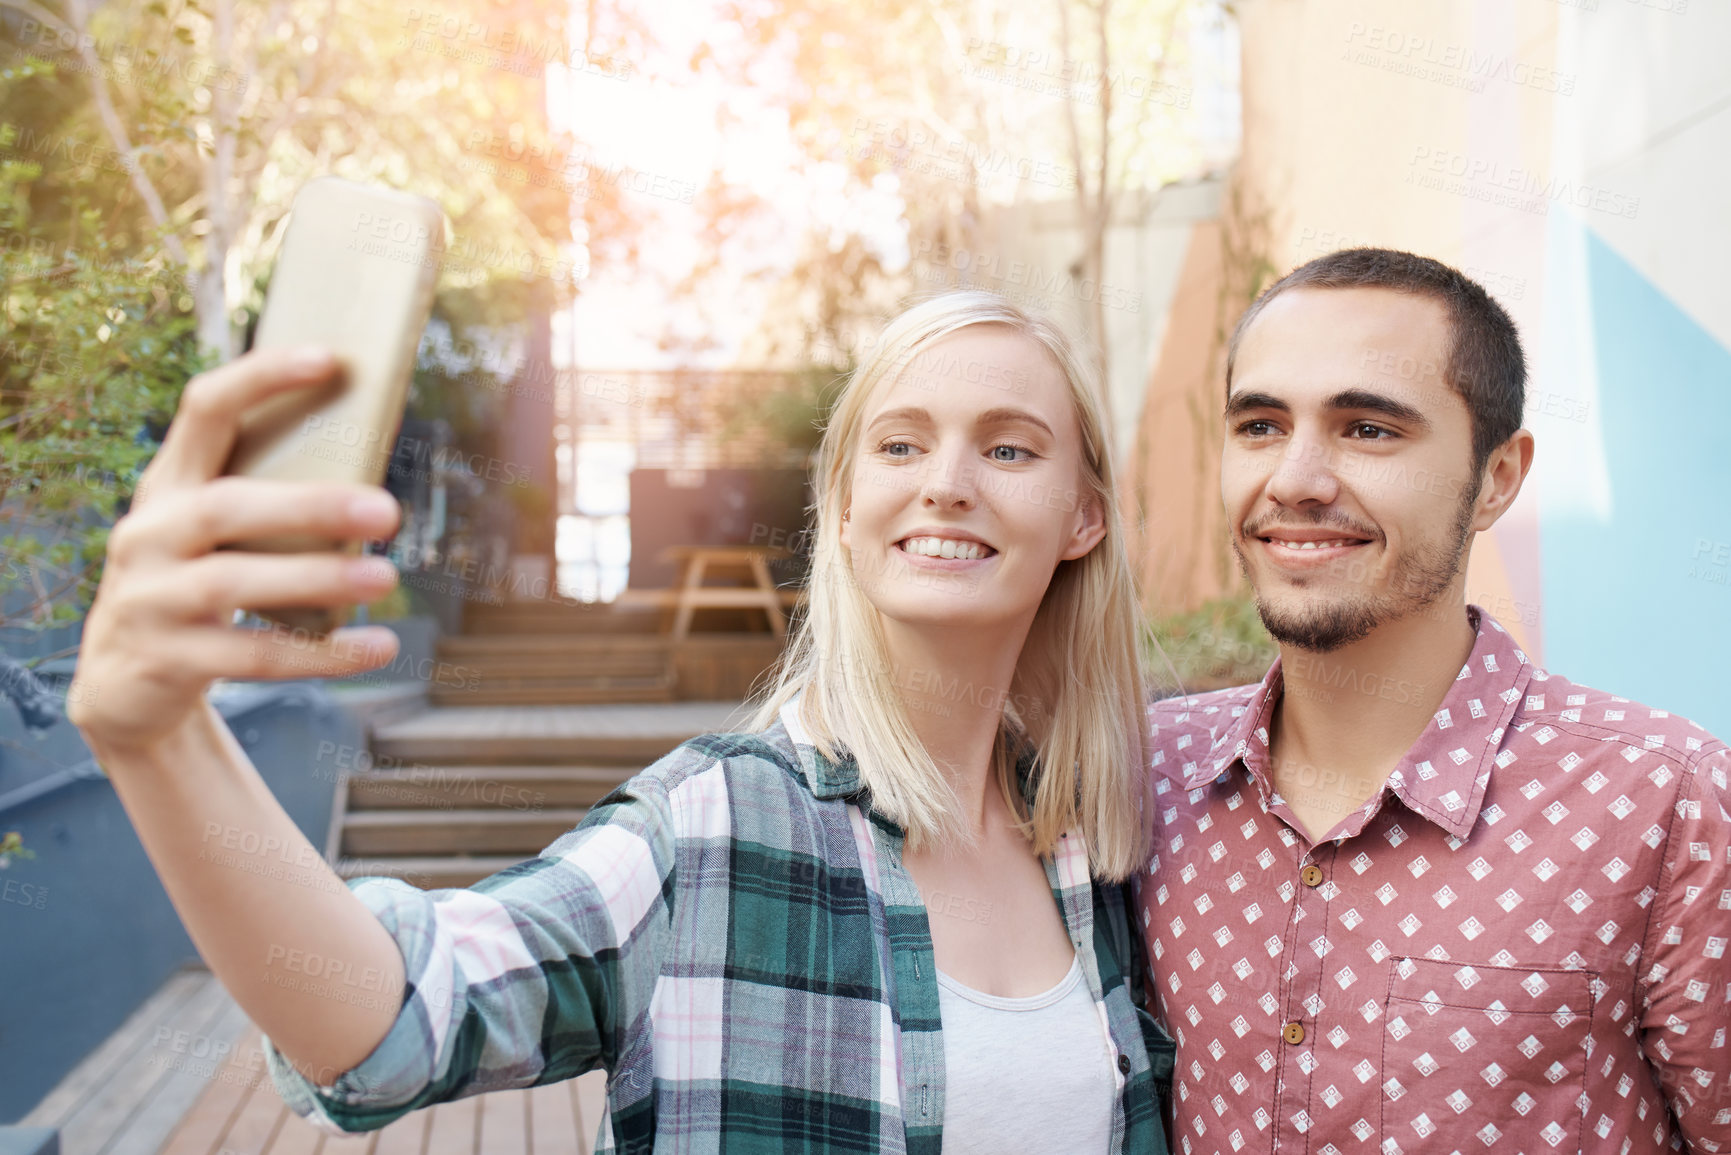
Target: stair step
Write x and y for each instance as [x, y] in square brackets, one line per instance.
[557, 672]
[616, 734]
[567, 692]
[430, 872]
[497, 831]
[531, 679]
[524, 749]
[575, 665]
[544, 617]
[459, 646]
[483, 787]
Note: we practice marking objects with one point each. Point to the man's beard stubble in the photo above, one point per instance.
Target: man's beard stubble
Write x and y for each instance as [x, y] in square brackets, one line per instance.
[1420, 577]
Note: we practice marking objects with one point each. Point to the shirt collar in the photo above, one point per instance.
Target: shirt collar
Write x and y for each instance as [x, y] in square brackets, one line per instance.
[827, 778]
[1444, 773]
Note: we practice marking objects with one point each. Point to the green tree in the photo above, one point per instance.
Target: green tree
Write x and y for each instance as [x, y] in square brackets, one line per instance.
[218, 112]
[97, 345]
[151, 153]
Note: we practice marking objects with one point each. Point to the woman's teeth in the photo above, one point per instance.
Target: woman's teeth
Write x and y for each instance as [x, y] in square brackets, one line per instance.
[945, 547]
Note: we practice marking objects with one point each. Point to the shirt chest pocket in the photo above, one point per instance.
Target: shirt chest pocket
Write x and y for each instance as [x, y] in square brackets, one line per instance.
[1486, 1050]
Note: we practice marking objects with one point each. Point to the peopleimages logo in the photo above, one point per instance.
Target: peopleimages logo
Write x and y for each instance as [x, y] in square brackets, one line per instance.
[1490, 180]
[545, 163]
[915, 148]
[1054, 74]
[519, 49]
[123, 63]
[1457, 64]
[935, 260]
[401, 239]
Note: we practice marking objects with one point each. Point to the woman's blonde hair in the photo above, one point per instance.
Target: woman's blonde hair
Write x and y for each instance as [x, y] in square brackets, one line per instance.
[1077, 693]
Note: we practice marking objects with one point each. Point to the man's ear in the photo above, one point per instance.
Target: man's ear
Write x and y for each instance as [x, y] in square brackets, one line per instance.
[1089, 528]
[1500, 483]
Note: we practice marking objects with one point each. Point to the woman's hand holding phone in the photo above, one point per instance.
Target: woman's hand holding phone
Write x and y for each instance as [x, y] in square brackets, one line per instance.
[160, 630]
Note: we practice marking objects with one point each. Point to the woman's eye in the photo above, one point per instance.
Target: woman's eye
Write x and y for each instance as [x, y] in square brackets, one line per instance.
[896, 448]
[1009, 453]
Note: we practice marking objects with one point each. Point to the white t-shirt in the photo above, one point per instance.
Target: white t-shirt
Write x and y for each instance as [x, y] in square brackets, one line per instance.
[1026, 1076]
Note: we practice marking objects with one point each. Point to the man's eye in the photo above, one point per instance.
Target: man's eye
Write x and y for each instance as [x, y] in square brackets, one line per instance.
[1365, 431]
[1256, 428]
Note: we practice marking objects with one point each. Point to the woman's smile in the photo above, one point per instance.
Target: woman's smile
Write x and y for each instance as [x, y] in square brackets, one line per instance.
[933, 547]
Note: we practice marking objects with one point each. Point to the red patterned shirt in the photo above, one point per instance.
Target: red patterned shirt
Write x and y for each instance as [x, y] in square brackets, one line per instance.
[1517, 944]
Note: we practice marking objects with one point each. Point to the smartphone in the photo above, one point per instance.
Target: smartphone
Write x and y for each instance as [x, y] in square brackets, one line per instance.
[355, 274]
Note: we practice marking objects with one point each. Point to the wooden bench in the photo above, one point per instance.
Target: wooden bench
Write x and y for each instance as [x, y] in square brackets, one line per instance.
[691, 594]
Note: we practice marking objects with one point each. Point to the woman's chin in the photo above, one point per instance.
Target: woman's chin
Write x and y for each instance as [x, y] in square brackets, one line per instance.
[935, 610]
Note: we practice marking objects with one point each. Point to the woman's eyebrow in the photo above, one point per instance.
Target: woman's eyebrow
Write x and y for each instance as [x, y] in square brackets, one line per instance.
[1003, 415]
[999, 416]
[905, 413]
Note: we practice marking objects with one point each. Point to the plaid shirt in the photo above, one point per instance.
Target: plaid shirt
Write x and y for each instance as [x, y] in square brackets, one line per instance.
[731, 935]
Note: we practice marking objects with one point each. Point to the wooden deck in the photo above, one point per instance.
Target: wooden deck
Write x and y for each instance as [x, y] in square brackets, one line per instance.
[185, 1076]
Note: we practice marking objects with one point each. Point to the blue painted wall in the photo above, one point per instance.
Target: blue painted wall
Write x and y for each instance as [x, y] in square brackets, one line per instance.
[1641, 605]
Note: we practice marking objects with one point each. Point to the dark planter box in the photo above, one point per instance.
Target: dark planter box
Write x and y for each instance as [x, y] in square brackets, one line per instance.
[29, 1141]
[86, 931]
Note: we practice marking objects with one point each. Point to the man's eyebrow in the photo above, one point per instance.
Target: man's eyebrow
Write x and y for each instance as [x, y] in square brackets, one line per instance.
[1250, 399]
[1378, 403]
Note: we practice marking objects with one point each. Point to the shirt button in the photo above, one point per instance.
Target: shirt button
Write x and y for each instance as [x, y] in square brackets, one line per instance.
[1124, 1063]
[1311, 875]
[1294, 1033]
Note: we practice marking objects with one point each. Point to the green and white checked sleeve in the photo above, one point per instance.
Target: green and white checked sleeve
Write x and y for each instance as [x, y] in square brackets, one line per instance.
[538, 973]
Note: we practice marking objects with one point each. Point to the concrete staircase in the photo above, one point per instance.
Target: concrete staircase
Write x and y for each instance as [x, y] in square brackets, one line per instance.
[530, 717]
[454, 794]
[569, 654]
[552, 669]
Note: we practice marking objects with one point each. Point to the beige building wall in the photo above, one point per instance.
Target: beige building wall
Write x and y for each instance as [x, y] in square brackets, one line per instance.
[1352, 114]
[1172, 479]
[1412, 126]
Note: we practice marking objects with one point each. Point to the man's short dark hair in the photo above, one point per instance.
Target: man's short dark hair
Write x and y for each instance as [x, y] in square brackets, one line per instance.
[1484, 365]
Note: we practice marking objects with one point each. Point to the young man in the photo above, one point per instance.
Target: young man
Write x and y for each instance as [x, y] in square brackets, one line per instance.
[1412, 893]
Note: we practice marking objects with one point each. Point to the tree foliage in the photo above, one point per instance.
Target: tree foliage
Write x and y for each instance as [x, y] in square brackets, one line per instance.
[947, 111]
[150, 155]
[98, 342]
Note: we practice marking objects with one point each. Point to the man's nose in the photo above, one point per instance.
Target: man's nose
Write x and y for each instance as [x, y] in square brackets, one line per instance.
[1304, 475]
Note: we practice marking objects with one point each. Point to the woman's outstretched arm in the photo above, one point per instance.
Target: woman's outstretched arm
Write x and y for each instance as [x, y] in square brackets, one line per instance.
[303, 956]
[257, 898]
[538, 973]
[376, 998]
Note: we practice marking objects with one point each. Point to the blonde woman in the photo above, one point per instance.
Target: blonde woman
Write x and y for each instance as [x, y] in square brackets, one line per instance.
[887, 917]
